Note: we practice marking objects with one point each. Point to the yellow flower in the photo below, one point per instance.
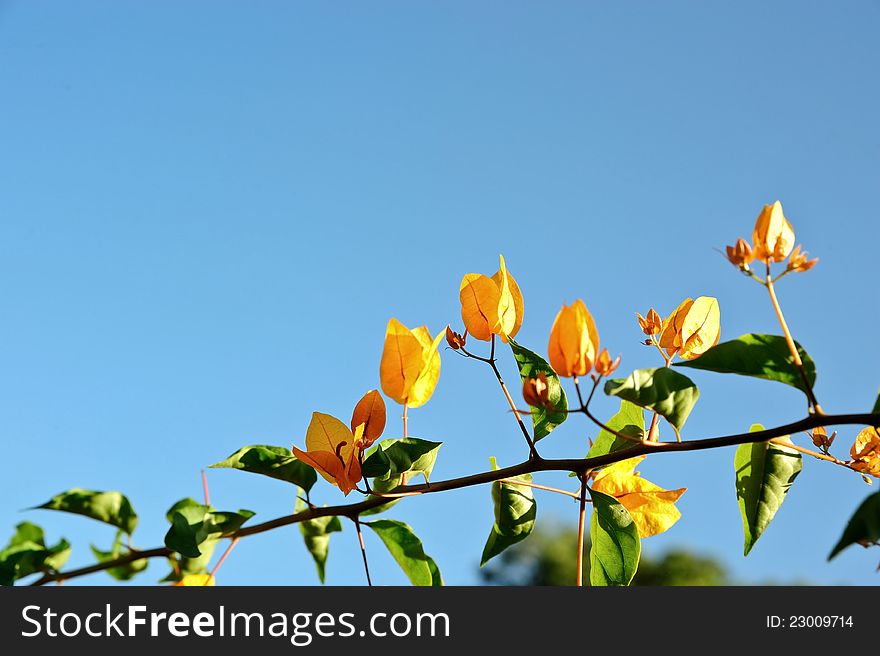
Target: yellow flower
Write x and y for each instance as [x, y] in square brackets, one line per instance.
[692, 329]
[773, 237]
[574, 341]
[410, 365]
[651, 507]
[333, 450]
[369, 411]
[865, 452]
[491, 306]
[196, 580]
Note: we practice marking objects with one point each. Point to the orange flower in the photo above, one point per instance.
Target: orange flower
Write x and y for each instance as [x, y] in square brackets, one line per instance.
[333, 451]
[692, 329]
[574, 341]
[369, 412]
[491, 306]
[865, 452]
[410, 366]
[773, 236]
[604, 365]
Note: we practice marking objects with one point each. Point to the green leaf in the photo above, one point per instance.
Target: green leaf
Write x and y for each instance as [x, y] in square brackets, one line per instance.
[407, 550]
[192, 523]
[515, 513]
[383, 485]
[182, 566]
[666, 392]
[764, 473]
[27, 553]
[109, 507]
[863, 526]
[530, 365]
[120, 572]
[408, 455]
[436, 576]
[273, 461]
[758, 356]
[316, 534]
[615, 546]
[876, 409]
[629, 420]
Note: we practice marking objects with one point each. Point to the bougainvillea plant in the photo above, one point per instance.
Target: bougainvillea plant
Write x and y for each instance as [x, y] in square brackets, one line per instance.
[625, 507]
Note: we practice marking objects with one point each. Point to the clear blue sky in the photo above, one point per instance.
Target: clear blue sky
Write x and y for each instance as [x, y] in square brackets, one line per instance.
[209, 211]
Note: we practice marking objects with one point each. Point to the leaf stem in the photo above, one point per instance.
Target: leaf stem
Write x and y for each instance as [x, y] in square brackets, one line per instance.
[585, 408]
[511, 481]
[357, 525]
[580, 541]
[792, 347]
[405, 419]
[226, 553]
[533, 453]
[205, 489]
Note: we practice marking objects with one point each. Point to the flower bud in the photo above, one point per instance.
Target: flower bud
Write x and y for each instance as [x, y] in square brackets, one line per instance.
[651, 324]
[455, 340]
[604, 365]
[773, 237]
[821, 438]
[740, 254]
[799, 261]
[574, 341]
[536, 392]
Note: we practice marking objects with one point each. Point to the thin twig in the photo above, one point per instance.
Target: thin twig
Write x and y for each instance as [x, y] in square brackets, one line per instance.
[226, 553]
[580, 541]
[536, 486]
[357, 525]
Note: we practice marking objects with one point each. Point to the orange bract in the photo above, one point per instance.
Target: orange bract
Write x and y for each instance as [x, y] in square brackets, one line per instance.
[692, 329]
[773, 236]
[574, 341]
[865, 452]
[491, 306]
[651, 507]
[333, 450]
[369, 411]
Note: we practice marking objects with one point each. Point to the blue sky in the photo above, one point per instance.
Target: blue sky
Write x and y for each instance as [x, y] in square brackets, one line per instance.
[209, 211]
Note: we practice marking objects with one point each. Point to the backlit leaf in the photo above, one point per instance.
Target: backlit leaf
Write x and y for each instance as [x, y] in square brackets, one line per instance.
[863, 527]
[275, 462]
[615, 547]
[109, 507]
[758, 356]
[515, 512]
[530, 365]
[663, 390]
[764, 473]
[316, 534]
[406, 548]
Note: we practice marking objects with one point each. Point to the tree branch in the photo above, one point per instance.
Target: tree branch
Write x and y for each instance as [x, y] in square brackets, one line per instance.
[532, 465]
